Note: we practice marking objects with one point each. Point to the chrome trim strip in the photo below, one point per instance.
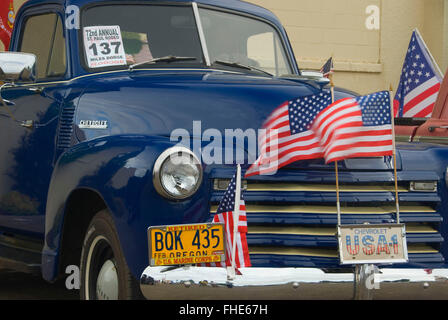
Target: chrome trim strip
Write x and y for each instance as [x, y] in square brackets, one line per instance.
[420, 248]
[323, 231]
[201, 34]
[294, 251]
[197, 283]
[433, 139]
[292, 230]
[403, 138]
[329, 209]
[419, 228]
[319, 188]
[37, 84]
[222, 184]
[325, 253]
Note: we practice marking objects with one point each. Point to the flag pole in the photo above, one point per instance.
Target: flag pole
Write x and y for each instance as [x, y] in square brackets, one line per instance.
[397, 205]
[236, 218]
[338, 203]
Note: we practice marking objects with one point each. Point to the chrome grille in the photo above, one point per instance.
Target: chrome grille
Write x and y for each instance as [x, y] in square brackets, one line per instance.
[293, 223]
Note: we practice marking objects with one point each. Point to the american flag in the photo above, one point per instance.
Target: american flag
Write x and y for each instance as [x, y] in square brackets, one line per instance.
[419, 82]
[312, 127]
[224, 214]
[356, 127]
[327, 68]
[289, 137]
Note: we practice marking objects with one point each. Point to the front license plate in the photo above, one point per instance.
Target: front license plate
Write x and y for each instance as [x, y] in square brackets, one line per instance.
[380, 243]
[186, 244]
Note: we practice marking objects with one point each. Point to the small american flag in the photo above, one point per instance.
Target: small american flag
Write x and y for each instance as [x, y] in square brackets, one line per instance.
[419, 82]
[327, 68]
[312, 127]
[224, 214]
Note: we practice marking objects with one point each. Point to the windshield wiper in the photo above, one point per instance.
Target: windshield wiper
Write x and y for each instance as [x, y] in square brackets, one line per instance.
[161, 59]
[241, 66]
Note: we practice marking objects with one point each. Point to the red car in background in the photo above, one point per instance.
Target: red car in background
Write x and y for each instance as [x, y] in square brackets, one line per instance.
[433, 129]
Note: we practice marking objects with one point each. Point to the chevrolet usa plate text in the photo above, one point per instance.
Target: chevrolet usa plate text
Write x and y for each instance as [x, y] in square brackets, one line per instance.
[380, 243]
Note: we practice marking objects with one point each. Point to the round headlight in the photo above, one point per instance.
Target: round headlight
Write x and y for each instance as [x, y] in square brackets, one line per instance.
[177, 173]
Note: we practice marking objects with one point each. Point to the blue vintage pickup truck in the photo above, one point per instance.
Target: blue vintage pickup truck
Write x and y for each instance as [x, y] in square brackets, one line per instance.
[93, 92]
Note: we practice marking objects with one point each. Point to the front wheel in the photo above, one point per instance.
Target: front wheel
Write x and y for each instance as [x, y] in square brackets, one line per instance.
[104, 272]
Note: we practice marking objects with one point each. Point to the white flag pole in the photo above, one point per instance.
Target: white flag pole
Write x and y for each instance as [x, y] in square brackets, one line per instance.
[338, 202]
[236, 219]
[397, 205]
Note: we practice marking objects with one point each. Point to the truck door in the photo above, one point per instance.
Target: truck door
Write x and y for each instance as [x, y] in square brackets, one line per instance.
[28, 127]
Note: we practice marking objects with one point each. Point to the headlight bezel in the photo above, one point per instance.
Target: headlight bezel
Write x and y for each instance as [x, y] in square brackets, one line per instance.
[157, 172]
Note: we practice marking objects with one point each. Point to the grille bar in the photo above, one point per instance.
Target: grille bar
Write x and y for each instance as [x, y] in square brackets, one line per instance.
[297, 187]
[330, 197]
[330, 219]
[324, 252]
[250, 208]
[325, 231]
[308, 236]
[292, 230]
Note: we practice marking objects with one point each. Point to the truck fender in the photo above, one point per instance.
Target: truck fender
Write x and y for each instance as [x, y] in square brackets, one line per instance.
[118, 169]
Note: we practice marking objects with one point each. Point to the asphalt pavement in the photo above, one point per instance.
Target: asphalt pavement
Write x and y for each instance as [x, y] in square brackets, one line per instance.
[22, 286]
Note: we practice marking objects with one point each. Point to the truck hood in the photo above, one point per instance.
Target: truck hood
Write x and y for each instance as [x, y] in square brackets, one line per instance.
[158, 102]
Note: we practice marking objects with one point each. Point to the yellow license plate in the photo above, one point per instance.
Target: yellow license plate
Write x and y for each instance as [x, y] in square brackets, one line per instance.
[186, 244]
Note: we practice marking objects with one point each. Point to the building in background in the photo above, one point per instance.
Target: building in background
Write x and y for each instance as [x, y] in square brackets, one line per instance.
[367, 38]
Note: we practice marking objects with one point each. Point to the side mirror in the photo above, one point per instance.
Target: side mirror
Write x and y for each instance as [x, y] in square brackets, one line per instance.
[17, 66]
[316, 76]
[312, 74]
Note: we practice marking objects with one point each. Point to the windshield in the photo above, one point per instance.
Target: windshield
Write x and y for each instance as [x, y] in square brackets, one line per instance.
[243, 40]
[121, 35]
[124, 35]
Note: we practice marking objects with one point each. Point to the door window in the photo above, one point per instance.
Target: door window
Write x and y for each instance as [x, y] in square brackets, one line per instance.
[43, 36]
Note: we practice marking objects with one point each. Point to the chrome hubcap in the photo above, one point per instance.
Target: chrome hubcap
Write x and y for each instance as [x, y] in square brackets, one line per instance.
[107, 282]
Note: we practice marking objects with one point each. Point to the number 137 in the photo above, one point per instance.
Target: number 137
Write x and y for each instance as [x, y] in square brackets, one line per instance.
[106, 48]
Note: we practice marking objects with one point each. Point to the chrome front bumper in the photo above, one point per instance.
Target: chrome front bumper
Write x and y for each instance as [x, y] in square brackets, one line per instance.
[366, 282]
